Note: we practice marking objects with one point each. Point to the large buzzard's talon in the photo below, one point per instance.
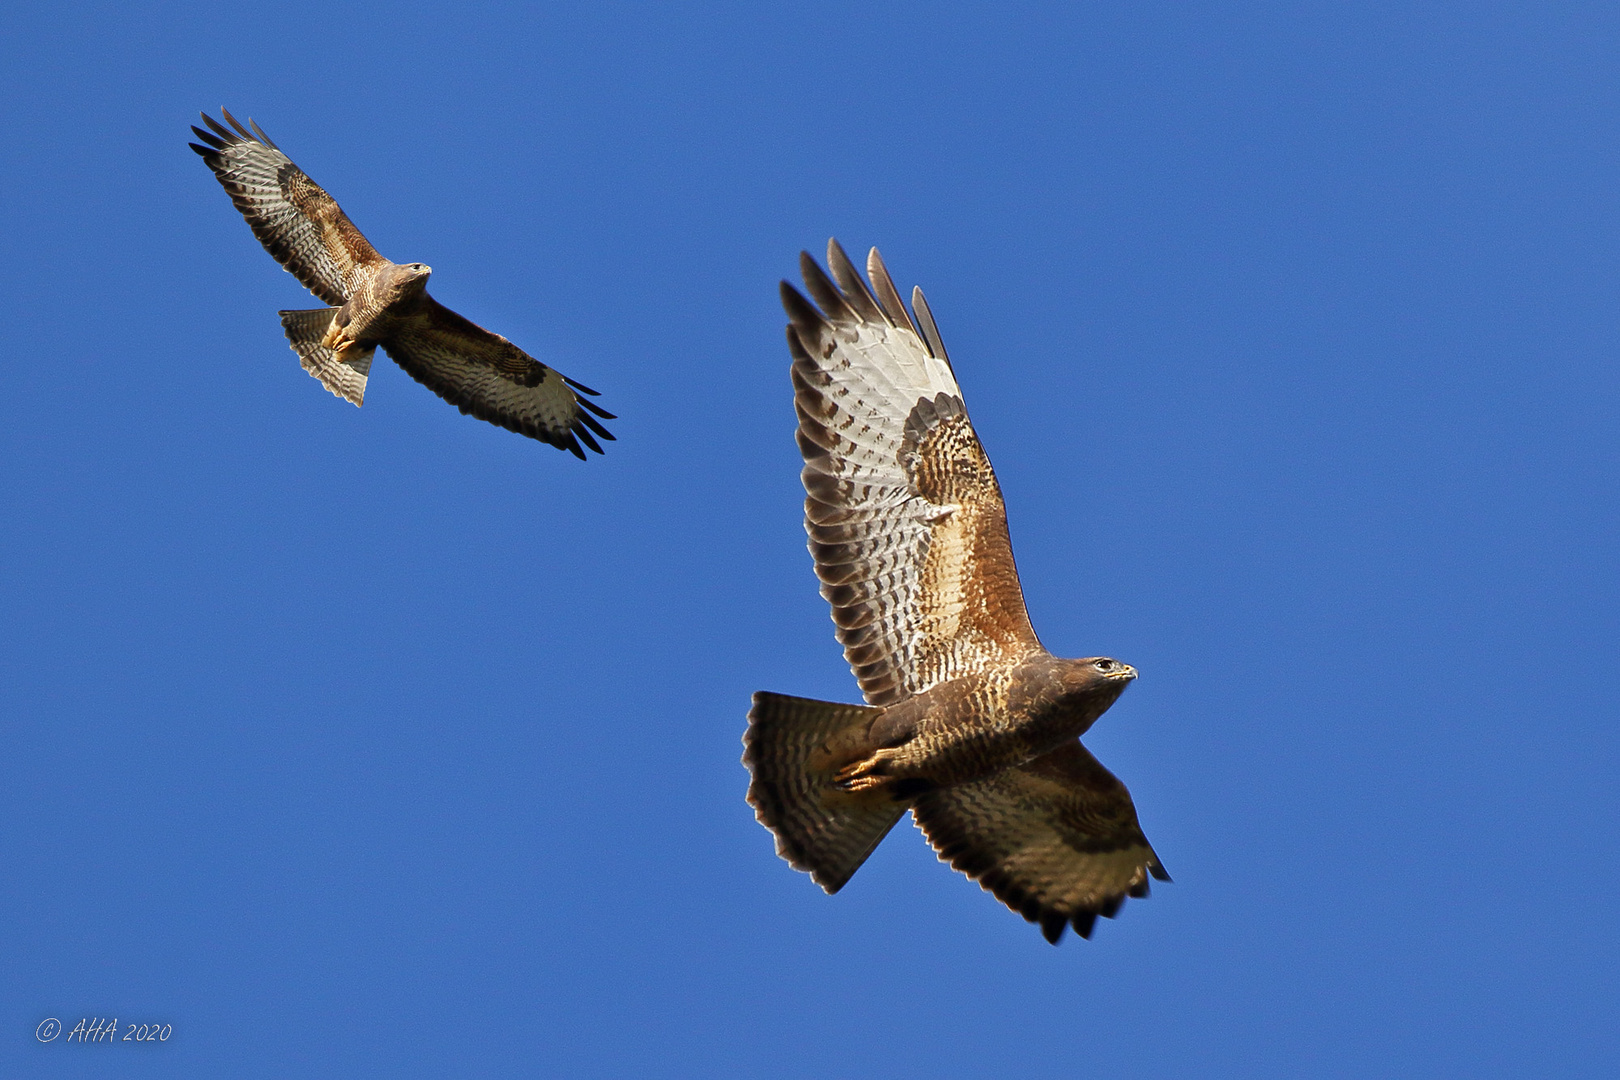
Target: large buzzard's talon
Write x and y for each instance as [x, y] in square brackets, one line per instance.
[865, 774]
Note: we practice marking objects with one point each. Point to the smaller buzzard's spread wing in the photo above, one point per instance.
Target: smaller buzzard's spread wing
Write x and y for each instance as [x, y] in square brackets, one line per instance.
[487, 376]
[1055, 839]
[905, 517]
[293, 218]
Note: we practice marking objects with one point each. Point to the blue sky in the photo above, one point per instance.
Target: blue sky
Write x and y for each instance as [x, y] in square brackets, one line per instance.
[384, 742]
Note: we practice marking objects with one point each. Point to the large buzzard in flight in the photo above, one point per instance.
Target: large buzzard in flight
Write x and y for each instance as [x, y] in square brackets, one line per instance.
[377, 302]
[969, 722]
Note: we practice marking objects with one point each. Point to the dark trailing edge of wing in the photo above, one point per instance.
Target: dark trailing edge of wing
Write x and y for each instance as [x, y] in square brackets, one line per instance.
[579, 428]
[961, 856]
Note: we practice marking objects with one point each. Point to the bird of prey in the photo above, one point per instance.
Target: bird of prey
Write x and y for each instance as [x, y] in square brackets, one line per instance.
[376, 302]
[969, 723]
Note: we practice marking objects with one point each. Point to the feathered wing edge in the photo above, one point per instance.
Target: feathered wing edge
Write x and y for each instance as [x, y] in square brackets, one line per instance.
[871, 383]
[309, 235]
[852, 300]
[859, 366]
[486, 376]
[1056, 839]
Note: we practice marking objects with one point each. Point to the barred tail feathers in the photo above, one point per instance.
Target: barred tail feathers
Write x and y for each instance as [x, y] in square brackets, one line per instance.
[346, 378]
[793, 748]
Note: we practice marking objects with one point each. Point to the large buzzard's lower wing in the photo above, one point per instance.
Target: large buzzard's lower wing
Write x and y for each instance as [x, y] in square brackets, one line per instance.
[1056, 839]
[487, 376]
[905, 517]
[293, 218]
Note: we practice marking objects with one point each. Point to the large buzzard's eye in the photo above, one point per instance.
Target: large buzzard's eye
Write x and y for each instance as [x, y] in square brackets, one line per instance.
[1105, 665]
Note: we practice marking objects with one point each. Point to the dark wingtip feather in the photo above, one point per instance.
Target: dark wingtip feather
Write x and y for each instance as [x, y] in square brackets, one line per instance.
[806, 319]
[585, 437]
[1158, 871]
[235, 123]
[849, 281]
[262, 136]
[834, 304]
[590, 421]
[888, 296]
[1052, 926]
[220, 129]
[1084, 923]
[925, 320]
[581, 387]
[208, 137]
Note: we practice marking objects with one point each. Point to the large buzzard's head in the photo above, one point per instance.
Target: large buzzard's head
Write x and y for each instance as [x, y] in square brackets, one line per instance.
[1091, 685]
[1106, 670]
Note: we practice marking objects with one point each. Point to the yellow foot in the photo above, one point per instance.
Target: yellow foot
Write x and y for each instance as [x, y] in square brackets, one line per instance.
[336, 340]
[863, 775]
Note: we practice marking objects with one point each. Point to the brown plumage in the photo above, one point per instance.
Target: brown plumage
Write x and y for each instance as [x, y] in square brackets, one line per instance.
[377, 302]
[969, 722]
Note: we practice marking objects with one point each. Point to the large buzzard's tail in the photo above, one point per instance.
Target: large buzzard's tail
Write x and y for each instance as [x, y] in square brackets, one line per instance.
[793, 748]
[305, 330]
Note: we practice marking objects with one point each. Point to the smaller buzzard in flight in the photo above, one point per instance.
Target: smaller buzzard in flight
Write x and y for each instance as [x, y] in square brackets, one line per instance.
[969, 723]
[377, 302]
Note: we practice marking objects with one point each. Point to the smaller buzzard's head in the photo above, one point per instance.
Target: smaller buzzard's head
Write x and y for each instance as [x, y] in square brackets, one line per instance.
[408, 279]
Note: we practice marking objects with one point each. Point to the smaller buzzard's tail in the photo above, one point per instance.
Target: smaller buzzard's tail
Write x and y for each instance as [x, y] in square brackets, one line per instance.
[794, 747]
[346, 377]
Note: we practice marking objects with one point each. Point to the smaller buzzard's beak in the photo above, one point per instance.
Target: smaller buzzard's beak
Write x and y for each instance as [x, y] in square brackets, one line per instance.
[1124, 671]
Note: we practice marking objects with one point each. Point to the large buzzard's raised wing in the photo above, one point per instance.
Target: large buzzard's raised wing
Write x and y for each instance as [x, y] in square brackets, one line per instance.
[1055, 839]
[484, 374]
[296, 221]
[905, 517]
